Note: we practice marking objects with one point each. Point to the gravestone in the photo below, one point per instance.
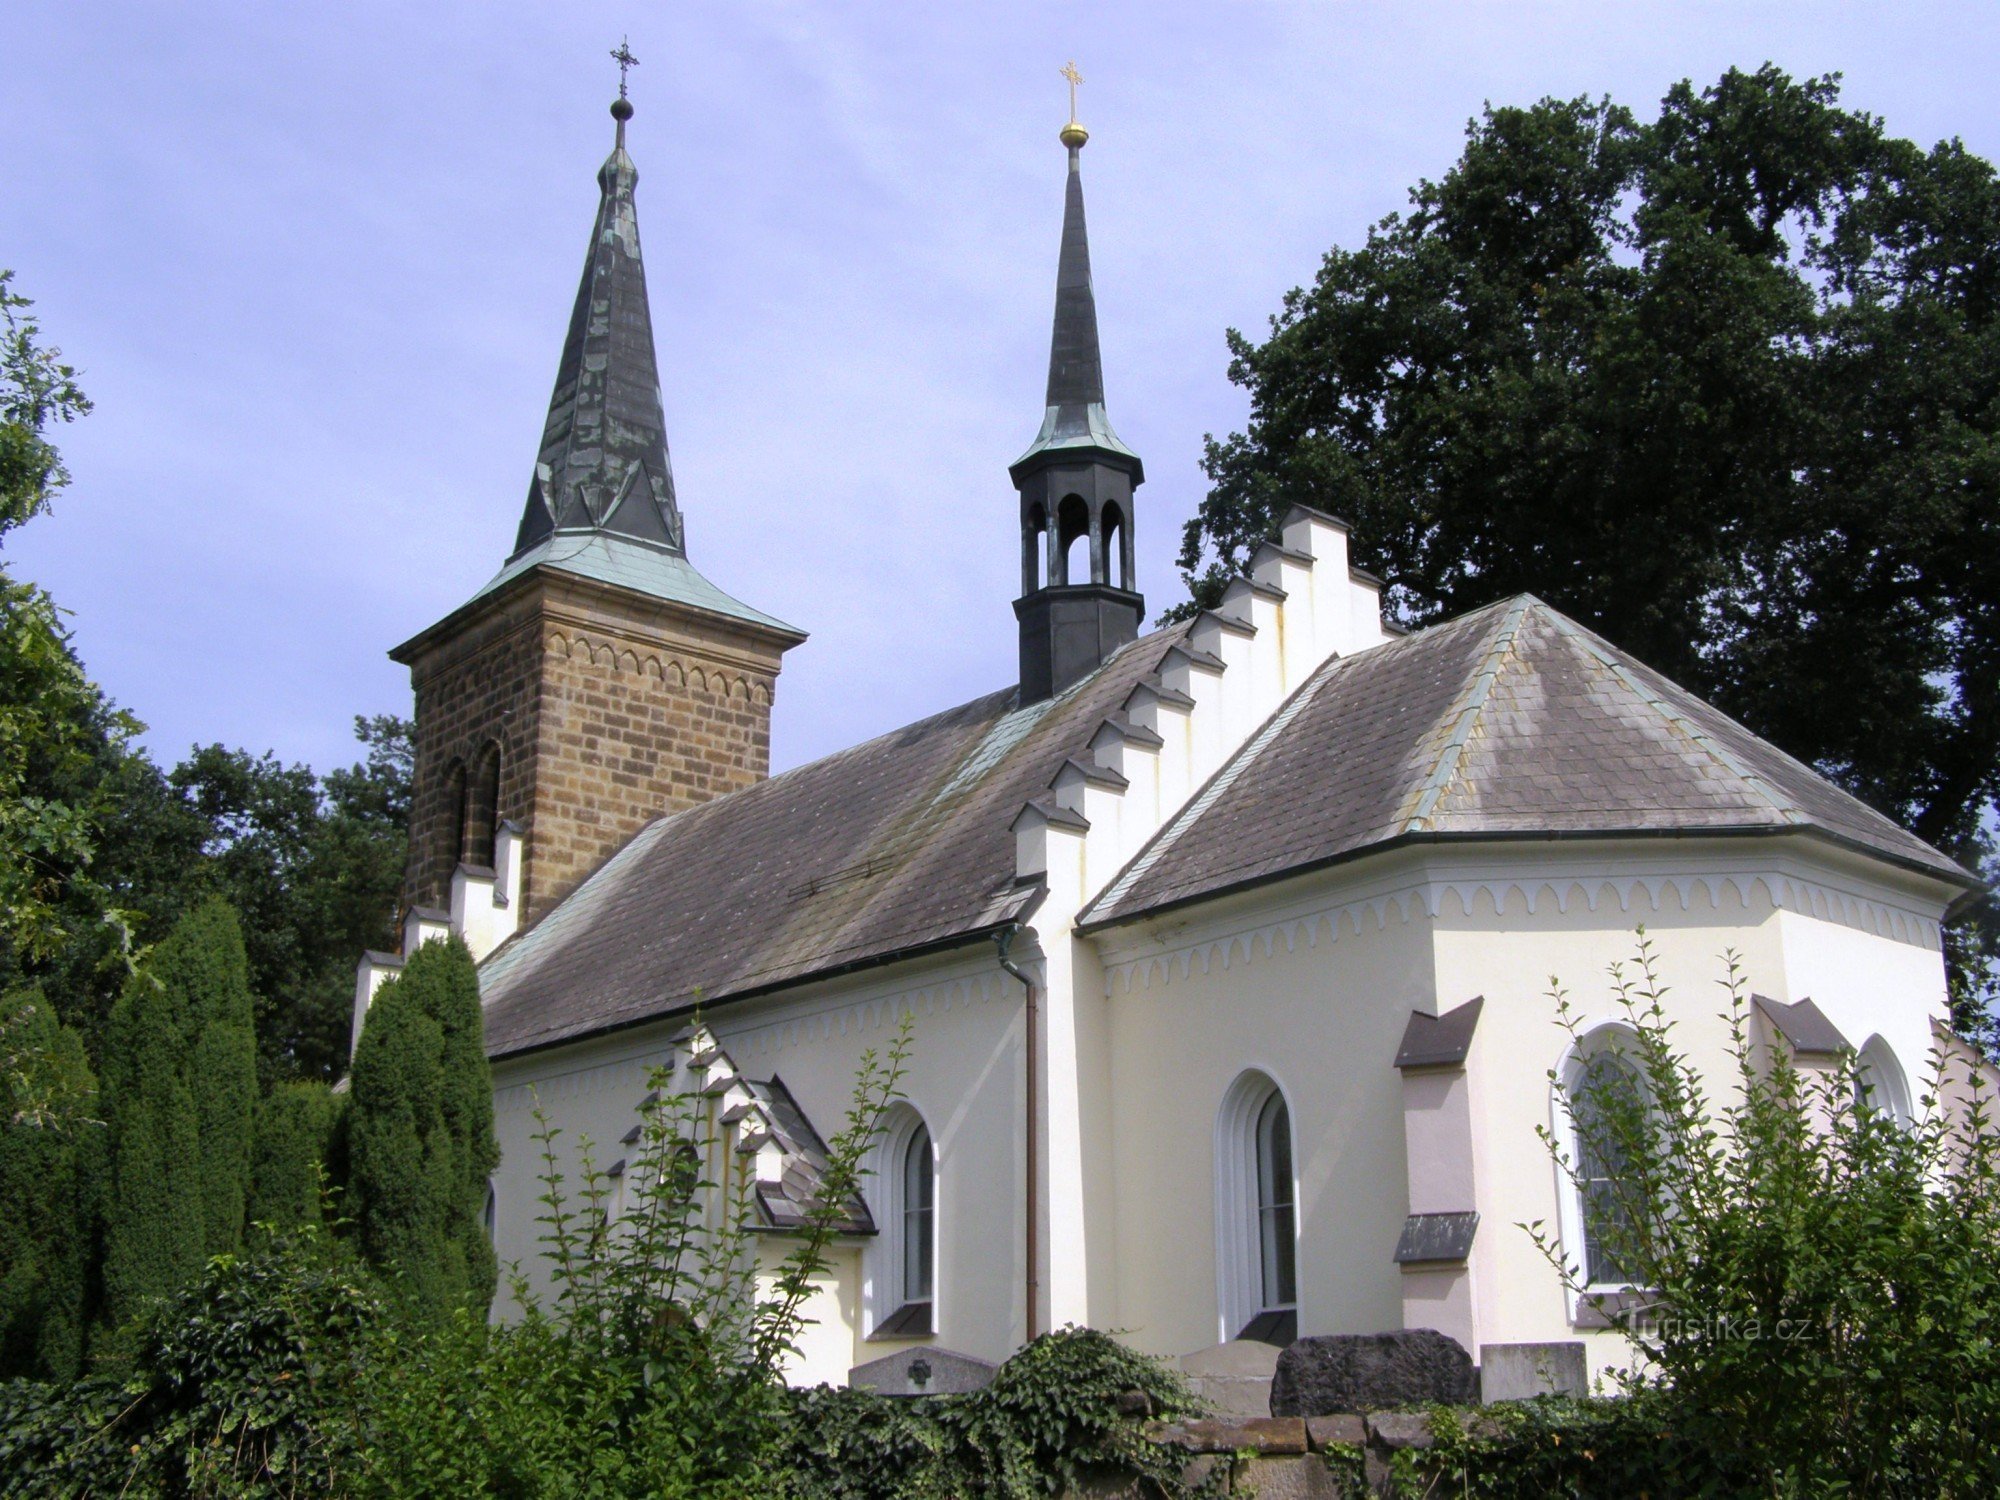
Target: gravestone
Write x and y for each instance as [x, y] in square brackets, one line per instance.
[1370, 1372]
[922, 1371]
[1519, 1372]
[1232, 1379]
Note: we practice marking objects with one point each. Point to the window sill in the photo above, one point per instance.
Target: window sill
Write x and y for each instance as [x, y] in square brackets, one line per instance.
[1611, 1307]
[1278, 1326]
[910, 1321]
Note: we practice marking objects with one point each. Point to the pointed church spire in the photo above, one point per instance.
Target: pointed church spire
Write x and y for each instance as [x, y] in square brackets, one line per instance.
[1075, 414]
[603, 467]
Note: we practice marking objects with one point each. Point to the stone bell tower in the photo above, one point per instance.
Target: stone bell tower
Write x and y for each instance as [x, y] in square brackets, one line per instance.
[1076, 483]
[597, 680]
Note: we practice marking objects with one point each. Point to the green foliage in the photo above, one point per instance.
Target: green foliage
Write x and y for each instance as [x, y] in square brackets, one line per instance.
[1722, 386]
[153, 1214]
[204, 960]
[37, 390]
[1058, 1416]
[289, 1166]
[420, 1133]
[244, 1384]
[1822, 1282]
[1530, 1450]
[47, 1141]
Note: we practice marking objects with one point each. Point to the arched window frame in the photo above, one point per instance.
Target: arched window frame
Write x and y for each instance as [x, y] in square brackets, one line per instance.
[1241, 1219]
[1880, 1082]
[891, 1312]
[1609, 1038]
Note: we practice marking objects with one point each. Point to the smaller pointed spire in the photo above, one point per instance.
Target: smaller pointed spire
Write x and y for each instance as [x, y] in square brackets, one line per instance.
[1074, 415]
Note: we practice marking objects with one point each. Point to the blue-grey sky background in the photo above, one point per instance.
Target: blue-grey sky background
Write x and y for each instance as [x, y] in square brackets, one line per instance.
[316, 261]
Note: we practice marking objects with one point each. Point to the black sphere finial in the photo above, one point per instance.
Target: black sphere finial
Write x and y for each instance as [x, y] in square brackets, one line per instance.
[621, 109]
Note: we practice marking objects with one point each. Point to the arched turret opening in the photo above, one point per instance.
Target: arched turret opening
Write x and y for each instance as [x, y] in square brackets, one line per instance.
[1035, 550]
[1072, 529]
[1117, 567]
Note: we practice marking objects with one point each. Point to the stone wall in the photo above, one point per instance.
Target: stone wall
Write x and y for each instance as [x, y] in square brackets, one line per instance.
[607, 708]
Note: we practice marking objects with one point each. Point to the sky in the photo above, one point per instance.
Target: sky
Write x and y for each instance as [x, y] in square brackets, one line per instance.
[315, 264]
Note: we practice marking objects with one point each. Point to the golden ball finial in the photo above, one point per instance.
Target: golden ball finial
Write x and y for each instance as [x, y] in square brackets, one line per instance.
[1073, 135]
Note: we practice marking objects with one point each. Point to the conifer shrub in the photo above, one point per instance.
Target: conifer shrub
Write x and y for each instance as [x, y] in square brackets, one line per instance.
[48, 1141]
[419, 1133]
[152, 1208]
[290, 1172]
[204, 958]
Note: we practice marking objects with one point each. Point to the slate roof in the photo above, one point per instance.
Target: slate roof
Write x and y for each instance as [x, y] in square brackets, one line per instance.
[785, 1203]
[899, 844]
[1511, 721]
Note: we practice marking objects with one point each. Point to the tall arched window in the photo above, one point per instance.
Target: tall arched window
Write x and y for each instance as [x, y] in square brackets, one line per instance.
[901, 1266]
[1879, 1084]
[1600, 1083]
[1277, 1238]
[451, 847]
[1256, 1214]
[1073, 541]
[919, 1211]
[482, 806]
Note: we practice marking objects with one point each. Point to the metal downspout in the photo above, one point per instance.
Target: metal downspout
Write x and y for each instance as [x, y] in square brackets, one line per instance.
[1003, 941]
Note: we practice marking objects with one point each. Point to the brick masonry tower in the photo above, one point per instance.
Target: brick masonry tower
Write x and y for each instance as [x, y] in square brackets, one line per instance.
[597, 680]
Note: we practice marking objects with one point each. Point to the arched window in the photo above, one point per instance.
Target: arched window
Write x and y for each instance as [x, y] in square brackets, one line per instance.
[901, 1280]
[1601, 1084]
[451, 847]
[1277, 1235]
[1256, 1215]
[919, 1211]
[1879, 1084]
[482, 806]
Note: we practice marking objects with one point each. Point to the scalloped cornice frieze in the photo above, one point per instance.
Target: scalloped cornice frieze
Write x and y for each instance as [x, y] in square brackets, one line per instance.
[1213, 951]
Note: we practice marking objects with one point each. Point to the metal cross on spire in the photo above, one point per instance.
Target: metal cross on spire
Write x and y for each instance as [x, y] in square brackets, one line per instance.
[1068, 70]
[626, 62]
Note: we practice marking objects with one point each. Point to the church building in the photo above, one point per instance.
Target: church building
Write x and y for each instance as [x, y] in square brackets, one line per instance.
[1226, 946]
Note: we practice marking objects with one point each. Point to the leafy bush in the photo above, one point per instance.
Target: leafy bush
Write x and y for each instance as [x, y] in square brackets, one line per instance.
[1821, 1282]
[1058, 1415]
[243, 1384]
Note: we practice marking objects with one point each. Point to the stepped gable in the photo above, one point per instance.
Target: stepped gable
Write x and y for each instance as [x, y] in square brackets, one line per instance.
[1512, 721]
[894, 846]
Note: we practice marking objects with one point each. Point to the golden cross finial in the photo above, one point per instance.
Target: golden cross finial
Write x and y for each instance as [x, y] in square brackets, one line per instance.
[1068, 70]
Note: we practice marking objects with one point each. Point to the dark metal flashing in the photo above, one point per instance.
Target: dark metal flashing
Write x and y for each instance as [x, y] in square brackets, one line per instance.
[1093, 773]
[1804, 1026]
[910, 1321]
[1229, 623]
[1307, 512]
[1441, 1041]
[1436, 1239]
[1278, 1326]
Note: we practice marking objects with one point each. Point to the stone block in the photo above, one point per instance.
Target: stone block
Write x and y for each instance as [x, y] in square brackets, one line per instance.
[1400, 1429]
[922, 1371]
[1232, 1379]
[1520, 1372]
[1341, 1430]
[1362, 1372]
[1232, 1435]
[1305, 1478]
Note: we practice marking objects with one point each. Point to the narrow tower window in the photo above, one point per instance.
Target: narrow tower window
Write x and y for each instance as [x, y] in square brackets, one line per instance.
[900, 1267]
[1073, 538]
[1601, 1086]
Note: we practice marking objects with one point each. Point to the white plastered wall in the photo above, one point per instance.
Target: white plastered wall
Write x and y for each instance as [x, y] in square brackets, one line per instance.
[1314, 998]
[1696, 901]
[964, 1076]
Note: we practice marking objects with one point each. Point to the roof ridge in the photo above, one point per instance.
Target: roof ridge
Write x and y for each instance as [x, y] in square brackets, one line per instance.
[1605, 655]
[1463, 716]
